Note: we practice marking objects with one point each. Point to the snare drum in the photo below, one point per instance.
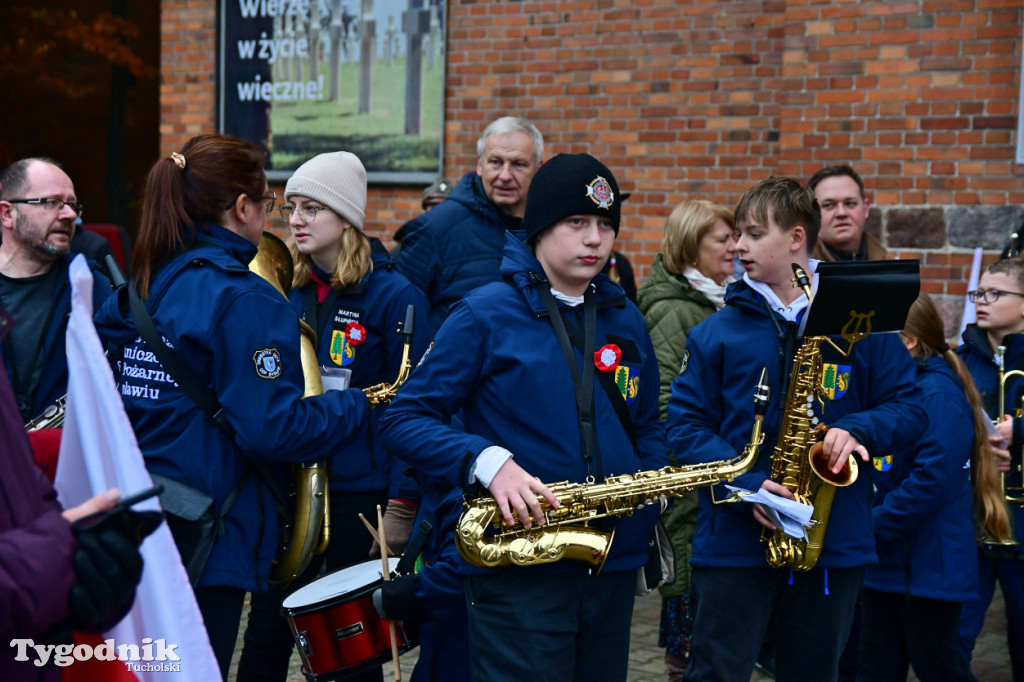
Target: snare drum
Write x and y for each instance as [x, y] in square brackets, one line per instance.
[337, 631]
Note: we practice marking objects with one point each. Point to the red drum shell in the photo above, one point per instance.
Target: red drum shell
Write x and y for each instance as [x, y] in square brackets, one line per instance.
[336, 628]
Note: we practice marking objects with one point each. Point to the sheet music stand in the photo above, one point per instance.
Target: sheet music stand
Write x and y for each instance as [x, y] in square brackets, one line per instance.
[858, 298]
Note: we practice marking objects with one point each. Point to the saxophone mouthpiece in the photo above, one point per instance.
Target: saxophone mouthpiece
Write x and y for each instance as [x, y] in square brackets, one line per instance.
[408, 327]
[761, 393]
[801, 280]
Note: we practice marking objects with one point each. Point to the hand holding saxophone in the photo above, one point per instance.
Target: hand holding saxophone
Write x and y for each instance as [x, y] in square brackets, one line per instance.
[775, 489]
[516, 490]
[838, 445]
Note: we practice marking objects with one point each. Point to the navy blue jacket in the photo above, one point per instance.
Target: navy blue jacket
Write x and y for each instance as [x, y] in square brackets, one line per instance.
[923, 518]
[980, 360]
[711, 412]
[497, 358]
[240, 335]
[455, 247]
[53, 379]
[378, 303]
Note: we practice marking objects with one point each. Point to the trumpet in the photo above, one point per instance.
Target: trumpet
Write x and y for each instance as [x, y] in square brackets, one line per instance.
[1011, 493]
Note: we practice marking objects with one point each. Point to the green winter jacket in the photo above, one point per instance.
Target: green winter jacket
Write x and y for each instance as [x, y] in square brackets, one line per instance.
[671, 308]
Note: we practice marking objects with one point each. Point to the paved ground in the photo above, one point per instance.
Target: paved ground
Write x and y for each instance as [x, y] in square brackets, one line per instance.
[991, 659]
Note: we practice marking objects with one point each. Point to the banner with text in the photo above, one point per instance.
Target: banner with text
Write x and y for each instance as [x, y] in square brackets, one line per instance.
[303, 77]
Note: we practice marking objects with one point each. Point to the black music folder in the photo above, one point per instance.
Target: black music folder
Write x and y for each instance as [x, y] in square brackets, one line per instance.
[855, 298]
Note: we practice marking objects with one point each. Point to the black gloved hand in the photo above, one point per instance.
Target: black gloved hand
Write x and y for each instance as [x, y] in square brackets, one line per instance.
[108, 567]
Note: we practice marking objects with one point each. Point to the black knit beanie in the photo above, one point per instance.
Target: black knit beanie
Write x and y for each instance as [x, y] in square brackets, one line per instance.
[570, 184]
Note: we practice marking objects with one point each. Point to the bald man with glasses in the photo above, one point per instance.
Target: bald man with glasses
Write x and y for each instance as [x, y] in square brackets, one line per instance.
[38, 209]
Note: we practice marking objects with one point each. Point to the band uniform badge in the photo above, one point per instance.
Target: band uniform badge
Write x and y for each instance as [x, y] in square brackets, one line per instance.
[628, 382]
[835, 380]
[268, 363]
[600, 192]
[883, 463]
[343, 353]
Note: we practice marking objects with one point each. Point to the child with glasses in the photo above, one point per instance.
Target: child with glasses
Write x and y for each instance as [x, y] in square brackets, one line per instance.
[1000, 302]
[346, 288]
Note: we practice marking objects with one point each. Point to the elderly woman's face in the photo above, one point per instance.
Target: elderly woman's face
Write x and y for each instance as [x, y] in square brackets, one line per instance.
[716, 252]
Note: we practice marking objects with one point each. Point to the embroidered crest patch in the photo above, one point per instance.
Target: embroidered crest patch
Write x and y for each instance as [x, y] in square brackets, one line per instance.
[342, 352]
[600, 192]
[835, 380]
[882, 463]
[268, 363]
[628, 382]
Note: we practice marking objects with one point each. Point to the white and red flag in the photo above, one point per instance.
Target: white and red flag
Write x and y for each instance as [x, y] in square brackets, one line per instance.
[98, 451]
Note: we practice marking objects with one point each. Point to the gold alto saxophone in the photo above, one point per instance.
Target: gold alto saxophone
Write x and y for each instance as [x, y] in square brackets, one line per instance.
[797, 460]
[381, 394]
[484, 539]
[310, 530]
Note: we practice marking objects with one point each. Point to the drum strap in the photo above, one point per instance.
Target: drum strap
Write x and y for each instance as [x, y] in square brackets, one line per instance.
[408, 561]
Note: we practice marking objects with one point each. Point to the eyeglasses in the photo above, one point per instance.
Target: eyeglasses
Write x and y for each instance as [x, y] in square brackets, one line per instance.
[270, 198]
[51, 204]
[989, 295]
[306, 211]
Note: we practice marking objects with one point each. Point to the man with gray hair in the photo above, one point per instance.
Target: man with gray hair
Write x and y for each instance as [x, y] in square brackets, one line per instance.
[457, 246]
[38, 208]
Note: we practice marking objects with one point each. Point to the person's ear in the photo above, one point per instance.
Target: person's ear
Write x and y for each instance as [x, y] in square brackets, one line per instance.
[240, 210]
[798, 237]
[7, 216]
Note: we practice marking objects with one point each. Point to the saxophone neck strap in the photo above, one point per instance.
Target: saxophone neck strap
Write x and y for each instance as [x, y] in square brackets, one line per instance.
[582, 383]
[172, 363]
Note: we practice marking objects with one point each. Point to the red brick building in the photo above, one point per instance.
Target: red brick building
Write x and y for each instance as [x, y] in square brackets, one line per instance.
[702, 98]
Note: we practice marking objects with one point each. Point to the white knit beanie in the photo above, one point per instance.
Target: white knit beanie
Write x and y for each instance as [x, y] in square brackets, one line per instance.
[337, 180]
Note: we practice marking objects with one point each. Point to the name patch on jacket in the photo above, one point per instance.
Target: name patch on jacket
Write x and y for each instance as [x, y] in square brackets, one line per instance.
[342, 316]
[268, 363]
[835, 380]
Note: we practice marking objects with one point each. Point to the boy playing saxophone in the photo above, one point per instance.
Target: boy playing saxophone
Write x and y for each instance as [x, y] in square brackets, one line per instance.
[870, 409]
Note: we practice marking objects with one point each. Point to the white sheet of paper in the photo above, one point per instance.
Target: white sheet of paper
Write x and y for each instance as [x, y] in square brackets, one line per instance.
[789, 515]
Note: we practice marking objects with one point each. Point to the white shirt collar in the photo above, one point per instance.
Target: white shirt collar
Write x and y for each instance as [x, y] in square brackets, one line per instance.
[792, 311]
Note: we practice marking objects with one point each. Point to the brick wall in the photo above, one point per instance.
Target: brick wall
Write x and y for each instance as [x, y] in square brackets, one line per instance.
[702, 98]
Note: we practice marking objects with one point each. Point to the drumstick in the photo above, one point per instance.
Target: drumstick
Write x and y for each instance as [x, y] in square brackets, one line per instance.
[387, 576]
[373, 531]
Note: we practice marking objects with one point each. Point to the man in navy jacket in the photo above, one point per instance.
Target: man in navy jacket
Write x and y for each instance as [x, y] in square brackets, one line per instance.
[457, 246]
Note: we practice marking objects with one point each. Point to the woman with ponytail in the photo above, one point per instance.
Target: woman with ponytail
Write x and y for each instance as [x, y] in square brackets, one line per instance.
[929, 501]
[204, 212]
